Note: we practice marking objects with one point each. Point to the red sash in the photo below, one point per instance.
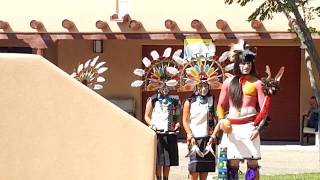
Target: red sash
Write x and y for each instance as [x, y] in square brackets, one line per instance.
[243, 121]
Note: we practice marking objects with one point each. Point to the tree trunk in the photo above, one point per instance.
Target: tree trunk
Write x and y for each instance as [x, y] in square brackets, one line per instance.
[307, 36]
[311, 53]
[313, 83]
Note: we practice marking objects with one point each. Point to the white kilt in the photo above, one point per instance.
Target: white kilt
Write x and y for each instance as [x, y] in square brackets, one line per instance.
[238, 143]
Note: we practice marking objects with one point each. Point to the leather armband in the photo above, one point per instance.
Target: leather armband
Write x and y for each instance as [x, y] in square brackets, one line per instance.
[264, 124]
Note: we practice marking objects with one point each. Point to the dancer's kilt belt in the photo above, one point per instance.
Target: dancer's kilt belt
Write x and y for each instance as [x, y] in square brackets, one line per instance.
[243, 121]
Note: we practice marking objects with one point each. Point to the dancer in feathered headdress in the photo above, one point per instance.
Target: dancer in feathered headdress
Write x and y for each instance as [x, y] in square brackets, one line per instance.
[239, 96]
[90, 73]
[201, 74]
[162, 110]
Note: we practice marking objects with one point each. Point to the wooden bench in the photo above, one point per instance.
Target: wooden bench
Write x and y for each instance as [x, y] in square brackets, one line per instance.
[307, 132]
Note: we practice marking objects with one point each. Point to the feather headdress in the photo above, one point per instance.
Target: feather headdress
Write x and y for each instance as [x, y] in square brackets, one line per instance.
[90, 73]
[212, 70]
[160, 71]
[241, 49]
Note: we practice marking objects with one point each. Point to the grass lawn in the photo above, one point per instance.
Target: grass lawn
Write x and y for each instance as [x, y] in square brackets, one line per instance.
[311, 176]
[307, 176]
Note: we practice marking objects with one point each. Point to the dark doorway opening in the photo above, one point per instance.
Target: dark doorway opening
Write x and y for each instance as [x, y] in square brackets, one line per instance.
[25, 50]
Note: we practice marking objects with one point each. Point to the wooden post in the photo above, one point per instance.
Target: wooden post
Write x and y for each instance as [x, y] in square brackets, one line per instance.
[39, 51]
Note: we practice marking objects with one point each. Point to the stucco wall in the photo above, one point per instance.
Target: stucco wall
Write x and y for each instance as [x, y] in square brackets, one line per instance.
[151, 13]
[53, 127]
[121, 57]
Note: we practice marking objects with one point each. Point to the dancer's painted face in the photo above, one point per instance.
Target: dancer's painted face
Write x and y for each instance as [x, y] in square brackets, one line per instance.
[164, 90]
[245, 67]
[203, 89]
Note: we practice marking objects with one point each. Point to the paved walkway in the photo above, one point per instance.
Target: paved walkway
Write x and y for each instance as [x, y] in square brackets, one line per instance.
[276, 159]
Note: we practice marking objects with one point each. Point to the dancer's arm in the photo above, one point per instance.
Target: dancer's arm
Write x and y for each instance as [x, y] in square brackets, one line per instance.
[260, 93]
[186, 122]
[221, 106]
[264, 102]
[223, 100]
[148, 112]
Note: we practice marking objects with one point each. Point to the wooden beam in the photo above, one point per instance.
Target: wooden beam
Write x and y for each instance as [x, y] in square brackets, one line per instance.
[4, 25]
[37, 25]
[42, 40]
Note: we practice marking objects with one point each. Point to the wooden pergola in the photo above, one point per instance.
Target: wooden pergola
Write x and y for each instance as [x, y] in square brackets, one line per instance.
[133, 29]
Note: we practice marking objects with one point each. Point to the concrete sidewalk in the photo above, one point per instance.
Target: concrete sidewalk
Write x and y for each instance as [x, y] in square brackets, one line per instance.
[276, 159]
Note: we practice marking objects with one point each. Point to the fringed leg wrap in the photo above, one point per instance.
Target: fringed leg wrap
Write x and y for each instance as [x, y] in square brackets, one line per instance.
[165, 178]
[233, 173]
[159, 178]
[252, 173]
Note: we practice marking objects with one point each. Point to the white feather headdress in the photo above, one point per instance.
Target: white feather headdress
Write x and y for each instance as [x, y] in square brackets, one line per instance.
[241, 49]
[160, 71]
[90, 73]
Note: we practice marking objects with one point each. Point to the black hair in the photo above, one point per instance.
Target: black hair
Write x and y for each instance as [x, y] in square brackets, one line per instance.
[235, 88]
[194, 93]
[235, 91]
[238, 60]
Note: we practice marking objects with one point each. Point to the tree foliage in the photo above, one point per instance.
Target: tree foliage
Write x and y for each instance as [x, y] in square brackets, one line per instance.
[269, 7]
